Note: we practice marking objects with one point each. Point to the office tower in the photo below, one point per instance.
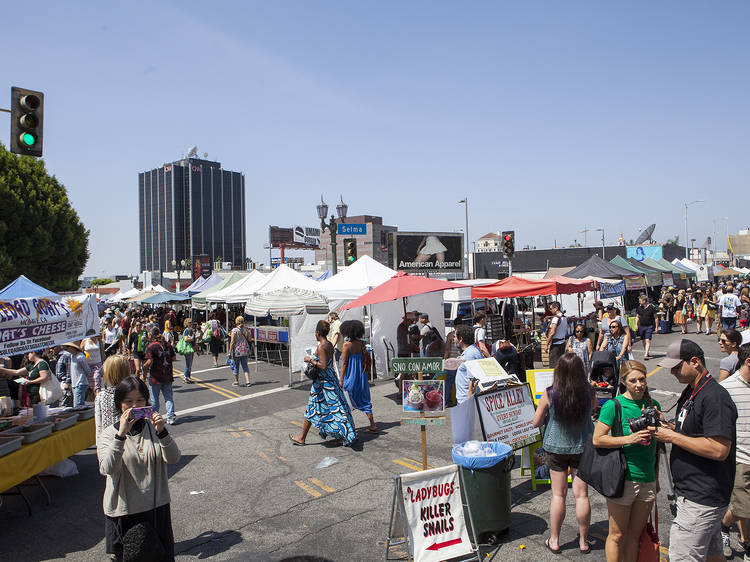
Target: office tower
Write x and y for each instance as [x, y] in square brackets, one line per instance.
[188, 208]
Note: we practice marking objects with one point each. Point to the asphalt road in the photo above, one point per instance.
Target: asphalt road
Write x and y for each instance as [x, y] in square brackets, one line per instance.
[242, 491]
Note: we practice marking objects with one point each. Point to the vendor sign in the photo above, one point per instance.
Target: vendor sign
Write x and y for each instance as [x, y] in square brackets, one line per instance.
[507, 416]
[635, 283]
[423, 396]
[435, 514]
[40, 322]
[414, 365]
[539, 381]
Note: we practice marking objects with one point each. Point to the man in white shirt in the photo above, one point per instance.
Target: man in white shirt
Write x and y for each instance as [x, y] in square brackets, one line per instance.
[738, 386]
[557, 333]
[729, 305]
[480, 333]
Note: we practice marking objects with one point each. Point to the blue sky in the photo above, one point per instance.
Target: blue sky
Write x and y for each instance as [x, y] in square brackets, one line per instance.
[549, 116]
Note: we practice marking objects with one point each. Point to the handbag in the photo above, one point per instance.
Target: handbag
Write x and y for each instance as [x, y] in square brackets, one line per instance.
[311, 371]
[50, 391]
[183, 347]
[648, 547]
[604, 469]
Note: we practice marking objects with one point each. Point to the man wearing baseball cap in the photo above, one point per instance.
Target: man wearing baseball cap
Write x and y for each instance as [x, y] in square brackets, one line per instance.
[703, 455]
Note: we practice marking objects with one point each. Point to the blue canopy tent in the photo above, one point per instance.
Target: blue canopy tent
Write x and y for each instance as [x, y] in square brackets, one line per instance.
[22, 288]
[200, 285]
[325, 276]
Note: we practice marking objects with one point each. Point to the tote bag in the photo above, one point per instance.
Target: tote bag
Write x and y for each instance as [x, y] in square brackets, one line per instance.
[648, 548]
[50, 390]
[604, 469]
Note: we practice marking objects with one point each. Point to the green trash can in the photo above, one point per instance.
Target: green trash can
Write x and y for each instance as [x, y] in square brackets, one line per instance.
[486, 486]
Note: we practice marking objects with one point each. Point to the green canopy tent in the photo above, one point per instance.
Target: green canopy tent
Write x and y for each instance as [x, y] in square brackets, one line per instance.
[199, 301]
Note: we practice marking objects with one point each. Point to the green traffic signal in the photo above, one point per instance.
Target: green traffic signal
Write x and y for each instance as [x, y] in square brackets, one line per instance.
[27, 139]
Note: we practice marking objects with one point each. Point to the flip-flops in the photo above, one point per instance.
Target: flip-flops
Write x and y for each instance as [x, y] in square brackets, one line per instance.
[295, 442]
[552, 550]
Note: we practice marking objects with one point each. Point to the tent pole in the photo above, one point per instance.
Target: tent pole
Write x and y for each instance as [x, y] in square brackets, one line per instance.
[289, 346]
[255, 336]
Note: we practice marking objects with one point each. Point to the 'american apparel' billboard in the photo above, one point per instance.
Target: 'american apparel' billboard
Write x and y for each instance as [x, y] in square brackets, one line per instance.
[428, 252]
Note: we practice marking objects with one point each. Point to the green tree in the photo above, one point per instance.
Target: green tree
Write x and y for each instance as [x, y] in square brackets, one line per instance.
[101, 281]
[675, 240]
[41, 235]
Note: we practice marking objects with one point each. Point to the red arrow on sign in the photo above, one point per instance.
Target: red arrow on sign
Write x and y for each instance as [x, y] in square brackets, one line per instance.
[439, 545]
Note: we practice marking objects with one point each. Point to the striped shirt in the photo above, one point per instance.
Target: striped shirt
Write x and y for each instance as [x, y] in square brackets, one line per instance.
[739, 390]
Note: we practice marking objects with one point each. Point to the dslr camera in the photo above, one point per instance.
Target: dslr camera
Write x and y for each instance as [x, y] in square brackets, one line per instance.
[648, 418]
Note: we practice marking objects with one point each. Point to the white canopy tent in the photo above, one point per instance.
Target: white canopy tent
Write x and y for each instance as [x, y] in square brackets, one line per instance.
[244, 286]
[354, 281]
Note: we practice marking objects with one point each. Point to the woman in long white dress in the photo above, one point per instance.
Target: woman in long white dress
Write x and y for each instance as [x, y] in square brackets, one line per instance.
[431, 246]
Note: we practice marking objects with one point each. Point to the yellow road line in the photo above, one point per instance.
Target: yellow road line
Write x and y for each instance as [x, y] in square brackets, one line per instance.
[220, 393]
[297, 423]
[419, 463]
[264, 456]
[653, 371]
[233, 433]
[307, 488]
[234, 394]
[282, 458]
[246, 433]
[320, 485]
[407, 465]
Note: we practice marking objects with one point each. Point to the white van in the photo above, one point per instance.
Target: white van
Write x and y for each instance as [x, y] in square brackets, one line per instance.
[457, 303]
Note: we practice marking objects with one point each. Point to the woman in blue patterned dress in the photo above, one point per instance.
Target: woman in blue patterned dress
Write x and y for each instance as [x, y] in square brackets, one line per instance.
[353, 375]
[327, 408]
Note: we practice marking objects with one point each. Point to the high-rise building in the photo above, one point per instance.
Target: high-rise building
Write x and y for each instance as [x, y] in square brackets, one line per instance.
[188, 208]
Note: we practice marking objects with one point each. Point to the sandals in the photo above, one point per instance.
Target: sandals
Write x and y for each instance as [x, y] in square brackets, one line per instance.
[552, 550]
[372, 430]
[235, 383]
[295, 442]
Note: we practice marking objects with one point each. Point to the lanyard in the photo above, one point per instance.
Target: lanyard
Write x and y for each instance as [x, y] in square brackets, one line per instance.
[688, 404]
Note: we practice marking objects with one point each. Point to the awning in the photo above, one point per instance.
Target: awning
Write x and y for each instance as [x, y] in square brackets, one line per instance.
[518, 287]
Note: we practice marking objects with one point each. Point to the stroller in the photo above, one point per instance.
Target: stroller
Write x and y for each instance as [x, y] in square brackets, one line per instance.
[605, 375]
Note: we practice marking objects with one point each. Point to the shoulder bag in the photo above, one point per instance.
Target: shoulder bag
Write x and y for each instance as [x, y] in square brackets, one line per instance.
[183, 347]
[311, 371]
[50, 390]
[648, 547]
[604, 469]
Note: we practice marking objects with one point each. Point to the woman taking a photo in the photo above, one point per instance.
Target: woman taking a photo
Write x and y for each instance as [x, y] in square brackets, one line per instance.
[327, 409]
[353, 375]
[579, 344]
[568, 426]
[133, 455]
[629, 513]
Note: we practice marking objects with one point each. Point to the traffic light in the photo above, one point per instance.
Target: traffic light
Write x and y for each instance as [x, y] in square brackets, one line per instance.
[350, 251]
[26, 120]
[509, 243]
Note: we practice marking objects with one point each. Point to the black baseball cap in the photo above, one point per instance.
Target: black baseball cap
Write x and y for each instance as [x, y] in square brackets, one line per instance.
[679, 351]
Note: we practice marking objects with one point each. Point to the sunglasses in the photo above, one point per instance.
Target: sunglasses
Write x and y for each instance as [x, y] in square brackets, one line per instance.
[723, 340]
[579, 331]
[613, 326]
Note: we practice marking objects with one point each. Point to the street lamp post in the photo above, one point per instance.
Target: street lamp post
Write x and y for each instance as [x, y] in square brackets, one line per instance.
[602, 231]
[341, 210]
[465, 201]
[585, 232]
[687, 238]
[713, 254]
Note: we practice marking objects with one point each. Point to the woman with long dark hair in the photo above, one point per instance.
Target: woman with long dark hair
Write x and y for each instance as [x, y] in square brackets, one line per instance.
[568, 402]
[327, 408]
[628, 514]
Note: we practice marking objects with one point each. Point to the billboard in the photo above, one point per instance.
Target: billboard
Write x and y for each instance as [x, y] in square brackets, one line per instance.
[490, 265]
[202, 266]
[642, 252]
[306, 235]
[428, 252]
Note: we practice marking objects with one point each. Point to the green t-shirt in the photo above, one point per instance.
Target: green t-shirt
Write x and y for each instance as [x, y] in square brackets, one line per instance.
[641, 458]
[32, 390]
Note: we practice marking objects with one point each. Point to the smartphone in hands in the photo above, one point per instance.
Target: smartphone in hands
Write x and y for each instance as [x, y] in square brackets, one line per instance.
[145, 412]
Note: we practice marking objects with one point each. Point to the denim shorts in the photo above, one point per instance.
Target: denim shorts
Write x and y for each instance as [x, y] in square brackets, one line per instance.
[645, 332]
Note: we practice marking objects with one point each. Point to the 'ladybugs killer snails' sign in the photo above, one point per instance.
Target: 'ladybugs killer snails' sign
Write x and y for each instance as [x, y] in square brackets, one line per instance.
[435, 514]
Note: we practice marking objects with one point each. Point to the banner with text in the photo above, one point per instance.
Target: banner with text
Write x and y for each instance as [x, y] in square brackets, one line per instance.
[507, 416]
[435, 514]
[40, 322]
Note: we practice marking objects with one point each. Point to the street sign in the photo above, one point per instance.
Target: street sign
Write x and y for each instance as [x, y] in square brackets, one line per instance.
[351, 229]
[414, 365]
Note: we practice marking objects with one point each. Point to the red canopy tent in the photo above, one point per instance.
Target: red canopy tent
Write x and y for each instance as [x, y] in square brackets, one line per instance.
[399, 286]
[520, 287]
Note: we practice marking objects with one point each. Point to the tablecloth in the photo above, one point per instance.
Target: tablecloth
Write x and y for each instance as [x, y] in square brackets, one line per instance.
[33, 458]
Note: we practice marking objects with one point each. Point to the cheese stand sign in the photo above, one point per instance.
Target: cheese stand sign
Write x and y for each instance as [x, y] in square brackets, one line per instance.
[435, 514]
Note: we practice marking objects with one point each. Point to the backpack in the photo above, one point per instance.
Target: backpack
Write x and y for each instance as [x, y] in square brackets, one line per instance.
[431, 336]
[241, 347]
[141, 339]
[216, 333]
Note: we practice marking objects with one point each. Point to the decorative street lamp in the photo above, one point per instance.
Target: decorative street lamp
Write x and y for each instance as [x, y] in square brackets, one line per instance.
[602, 231]
[341, 210]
